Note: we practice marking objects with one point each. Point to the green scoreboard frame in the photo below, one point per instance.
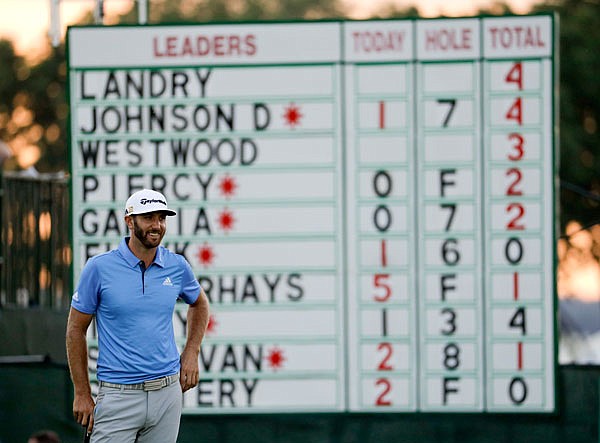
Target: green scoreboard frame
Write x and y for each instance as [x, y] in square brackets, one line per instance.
[369, 205]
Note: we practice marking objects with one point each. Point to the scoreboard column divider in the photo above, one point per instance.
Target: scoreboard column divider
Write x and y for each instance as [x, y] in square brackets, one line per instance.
[415, 181]
[344, 171]
[482, 163]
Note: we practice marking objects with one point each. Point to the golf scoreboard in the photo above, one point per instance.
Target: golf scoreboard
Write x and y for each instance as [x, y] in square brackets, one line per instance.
[368, 205]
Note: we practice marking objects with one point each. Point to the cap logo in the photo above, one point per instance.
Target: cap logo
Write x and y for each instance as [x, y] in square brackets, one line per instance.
[146, 201]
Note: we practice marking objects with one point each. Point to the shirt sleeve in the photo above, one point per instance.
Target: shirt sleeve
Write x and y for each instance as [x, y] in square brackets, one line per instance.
[85, 299]
[190, 288]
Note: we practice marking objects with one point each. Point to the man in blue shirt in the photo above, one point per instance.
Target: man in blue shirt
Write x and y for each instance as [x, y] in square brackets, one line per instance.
[132, 291]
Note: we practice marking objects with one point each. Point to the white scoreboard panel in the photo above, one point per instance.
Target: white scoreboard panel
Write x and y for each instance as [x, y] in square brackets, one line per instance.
[368, 204]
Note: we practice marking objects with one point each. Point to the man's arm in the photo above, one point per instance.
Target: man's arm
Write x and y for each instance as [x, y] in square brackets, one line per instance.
[77, 356]
[197, 321]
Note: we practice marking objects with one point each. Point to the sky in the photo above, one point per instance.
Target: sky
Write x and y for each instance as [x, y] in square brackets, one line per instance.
[27, 22]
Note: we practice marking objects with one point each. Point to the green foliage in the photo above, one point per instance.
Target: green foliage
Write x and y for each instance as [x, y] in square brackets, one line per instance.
[33, 107]
[393, 11]
[10, 64]
[46, 86]
[201, 11]
[12, 67]
[579, 105]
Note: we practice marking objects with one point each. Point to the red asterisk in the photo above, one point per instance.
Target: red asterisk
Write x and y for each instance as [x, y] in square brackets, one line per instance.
[227, 186]
[275, 358]
[212, 324]
[206, 255]
[226, 220]
[292, 115]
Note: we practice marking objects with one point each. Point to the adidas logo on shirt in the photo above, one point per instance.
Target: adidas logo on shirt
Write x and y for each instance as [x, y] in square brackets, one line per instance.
[167, 282]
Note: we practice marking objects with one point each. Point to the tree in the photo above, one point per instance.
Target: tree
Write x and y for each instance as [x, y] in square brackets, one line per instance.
[201, 11]
[46, 86]
[33, 109]
[579, 106]
[13, 72]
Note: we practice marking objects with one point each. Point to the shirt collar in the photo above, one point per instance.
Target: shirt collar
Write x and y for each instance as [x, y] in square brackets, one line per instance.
[132, 260]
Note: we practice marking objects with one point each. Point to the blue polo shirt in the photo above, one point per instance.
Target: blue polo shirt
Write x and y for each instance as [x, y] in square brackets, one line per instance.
[134, 311]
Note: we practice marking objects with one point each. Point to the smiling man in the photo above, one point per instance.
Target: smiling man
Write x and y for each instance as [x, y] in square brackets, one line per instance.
[132, 291]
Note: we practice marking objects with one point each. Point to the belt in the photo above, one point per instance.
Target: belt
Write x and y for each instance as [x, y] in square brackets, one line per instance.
[148, 385]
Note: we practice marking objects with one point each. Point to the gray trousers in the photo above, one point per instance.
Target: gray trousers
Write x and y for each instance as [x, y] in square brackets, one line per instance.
[128, 416]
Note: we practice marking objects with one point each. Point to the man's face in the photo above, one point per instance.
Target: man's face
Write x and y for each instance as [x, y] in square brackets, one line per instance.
[150, 228]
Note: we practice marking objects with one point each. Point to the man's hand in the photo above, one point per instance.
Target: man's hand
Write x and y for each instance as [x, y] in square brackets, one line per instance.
[197, 322]
[188, 377]
[83, 404]
[83, 411]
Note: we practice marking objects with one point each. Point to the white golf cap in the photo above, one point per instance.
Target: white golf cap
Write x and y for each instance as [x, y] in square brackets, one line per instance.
[147, 200]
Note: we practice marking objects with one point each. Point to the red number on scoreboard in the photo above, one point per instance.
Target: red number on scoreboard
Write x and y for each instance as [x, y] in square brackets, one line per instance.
[379, 282]
[517, 176]
[385, 365]
[515, 112]
[513, 224]
[515, 75]
[387, 388]
[517, 147]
